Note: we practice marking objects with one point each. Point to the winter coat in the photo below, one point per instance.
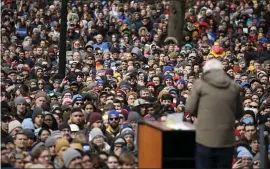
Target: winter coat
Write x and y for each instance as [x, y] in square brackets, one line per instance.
[215, 101]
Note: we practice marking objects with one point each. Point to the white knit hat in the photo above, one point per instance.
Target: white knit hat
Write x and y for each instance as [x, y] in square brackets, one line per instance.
[13, 124]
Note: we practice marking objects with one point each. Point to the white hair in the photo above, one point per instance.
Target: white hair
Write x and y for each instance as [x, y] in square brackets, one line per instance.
[212, 64]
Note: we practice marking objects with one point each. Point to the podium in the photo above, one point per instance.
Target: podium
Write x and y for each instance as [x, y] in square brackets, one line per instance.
[162, 147]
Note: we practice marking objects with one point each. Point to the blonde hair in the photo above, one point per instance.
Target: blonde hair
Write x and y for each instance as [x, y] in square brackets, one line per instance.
[80, 138]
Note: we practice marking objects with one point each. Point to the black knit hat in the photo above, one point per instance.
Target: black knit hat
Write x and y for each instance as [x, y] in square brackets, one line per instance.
[64, 126]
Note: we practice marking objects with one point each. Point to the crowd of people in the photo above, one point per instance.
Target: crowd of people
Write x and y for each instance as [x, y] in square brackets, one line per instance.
[122, 68]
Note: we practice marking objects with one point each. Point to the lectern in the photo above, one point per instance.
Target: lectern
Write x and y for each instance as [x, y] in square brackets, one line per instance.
[163, 147]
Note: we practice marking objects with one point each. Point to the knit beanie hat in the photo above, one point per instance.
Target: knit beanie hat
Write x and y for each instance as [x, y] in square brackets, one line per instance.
[133, 116]
[69, 155]
[37, 111]
[119, 140]
[78, 98]
[64, 126]
[36, 146]
[56, 134]
[113, 113]
[28, 124]
[30, 133]
[94, 117]
[50, 141]
[94, 133]
[125, 125]
[127, 131]
[61, 143]
[13, 124]
[19, 100]
[77, 146]
[40, 94]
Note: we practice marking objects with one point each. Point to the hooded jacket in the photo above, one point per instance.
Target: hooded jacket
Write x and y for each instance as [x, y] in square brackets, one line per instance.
[215, 101]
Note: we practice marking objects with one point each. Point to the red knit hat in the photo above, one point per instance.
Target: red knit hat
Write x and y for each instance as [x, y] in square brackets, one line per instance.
[94, 117]
[150, 84]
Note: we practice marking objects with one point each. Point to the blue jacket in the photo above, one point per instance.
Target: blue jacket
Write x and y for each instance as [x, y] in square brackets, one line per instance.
[103, 46]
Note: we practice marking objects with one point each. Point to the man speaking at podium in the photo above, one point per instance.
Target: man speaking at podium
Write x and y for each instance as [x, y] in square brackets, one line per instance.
[215, 101]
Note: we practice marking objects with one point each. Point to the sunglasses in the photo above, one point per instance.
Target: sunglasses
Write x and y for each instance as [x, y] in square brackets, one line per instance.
[253, 106]
[79, 103]
[111, 119]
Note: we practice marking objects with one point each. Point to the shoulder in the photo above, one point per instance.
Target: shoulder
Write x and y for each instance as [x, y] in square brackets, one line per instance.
[198, 83]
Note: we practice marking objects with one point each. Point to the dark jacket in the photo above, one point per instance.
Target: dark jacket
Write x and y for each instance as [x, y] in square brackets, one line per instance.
[215, 101]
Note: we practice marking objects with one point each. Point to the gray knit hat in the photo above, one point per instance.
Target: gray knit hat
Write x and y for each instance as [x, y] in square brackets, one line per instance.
[50, 141]
[95, 132]
[56, 134]
[36, 146]
[69, 155]
[134, 116]
[127, 131]
[37, 111]
[19, 100]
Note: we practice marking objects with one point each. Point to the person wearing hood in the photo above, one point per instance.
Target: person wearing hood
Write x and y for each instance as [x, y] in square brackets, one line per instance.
[215, 101]
[37, 119]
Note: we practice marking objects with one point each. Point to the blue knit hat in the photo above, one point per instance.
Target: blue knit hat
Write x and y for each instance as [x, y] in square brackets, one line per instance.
[100, 82]
[167, 68]
[113, 113]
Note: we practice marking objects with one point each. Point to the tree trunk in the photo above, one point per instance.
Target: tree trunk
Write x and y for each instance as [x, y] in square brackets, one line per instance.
[176, 19]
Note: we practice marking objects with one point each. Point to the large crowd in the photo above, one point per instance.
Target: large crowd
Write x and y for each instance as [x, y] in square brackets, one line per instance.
[122, 68]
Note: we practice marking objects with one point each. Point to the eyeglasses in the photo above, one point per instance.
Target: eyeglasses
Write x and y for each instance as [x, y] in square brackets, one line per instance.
[79, 103]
